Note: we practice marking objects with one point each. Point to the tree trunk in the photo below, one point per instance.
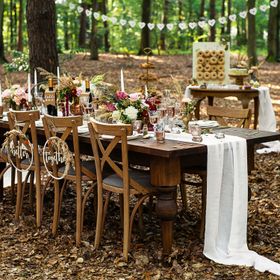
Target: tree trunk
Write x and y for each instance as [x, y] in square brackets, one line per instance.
[41, 27]
[229, 22]
[11, 24]
[201, 17]
[278, 34]
[83, 27]
[2, 56]
[272, 34]
[223, 13]
[212, 9]
[180, 42]
[145, 33]
[94, 39]
[66, 30]
[165, 21]
[20, 19]
[251, 46]
[106, 27]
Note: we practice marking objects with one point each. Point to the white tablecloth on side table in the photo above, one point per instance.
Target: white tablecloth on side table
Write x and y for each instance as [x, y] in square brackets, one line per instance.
[225, 238]
[267, 120]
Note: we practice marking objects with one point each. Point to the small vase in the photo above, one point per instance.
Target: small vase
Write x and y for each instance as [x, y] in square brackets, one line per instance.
[186, 119]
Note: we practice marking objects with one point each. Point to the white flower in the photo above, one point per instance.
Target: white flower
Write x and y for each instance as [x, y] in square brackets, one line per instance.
[116, 115]
[131, 112]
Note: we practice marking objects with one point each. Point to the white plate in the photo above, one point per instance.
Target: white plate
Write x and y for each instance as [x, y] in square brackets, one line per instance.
[82, 129]
[135, 135]
[205, 123]
[39, 124]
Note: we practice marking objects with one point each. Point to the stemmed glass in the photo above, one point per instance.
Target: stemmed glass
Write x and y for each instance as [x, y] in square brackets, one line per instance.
[154, 118]
[39, 102]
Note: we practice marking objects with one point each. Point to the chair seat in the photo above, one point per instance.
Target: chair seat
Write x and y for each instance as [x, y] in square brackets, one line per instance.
[140, 177]
[89, 165]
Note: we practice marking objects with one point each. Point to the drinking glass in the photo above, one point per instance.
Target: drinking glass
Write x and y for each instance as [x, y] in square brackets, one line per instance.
[39, 102]
[154, 118]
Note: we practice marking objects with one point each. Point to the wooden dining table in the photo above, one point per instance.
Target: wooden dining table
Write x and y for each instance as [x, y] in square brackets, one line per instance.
[166, 162]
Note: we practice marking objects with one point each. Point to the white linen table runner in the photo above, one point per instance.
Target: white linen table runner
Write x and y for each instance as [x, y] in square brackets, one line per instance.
[225, 238]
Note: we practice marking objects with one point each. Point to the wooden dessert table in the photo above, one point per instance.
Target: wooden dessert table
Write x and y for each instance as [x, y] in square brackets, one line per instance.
[244, 95]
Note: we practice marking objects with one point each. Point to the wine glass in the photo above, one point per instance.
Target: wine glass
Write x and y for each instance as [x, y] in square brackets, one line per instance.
[39, 102]
[154, 118]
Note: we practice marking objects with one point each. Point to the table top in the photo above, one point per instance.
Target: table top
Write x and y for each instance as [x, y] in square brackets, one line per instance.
[174, 148]
[223, 90]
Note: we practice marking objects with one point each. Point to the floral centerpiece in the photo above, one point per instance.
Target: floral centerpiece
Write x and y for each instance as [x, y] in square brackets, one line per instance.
[69, 91]
[15, 97]
[123, 107]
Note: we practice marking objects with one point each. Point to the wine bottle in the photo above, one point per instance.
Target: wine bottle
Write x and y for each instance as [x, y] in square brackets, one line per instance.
[52, 110]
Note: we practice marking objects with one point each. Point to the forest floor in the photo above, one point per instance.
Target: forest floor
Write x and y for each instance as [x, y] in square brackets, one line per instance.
[30, 253]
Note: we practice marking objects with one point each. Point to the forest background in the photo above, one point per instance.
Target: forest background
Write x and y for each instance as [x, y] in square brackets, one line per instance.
[78, 30]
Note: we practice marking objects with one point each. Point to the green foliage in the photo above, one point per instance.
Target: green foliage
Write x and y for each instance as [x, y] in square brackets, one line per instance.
[19, 62]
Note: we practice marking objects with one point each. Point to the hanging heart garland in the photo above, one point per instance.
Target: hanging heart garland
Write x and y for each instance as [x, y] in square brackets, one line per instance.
[274, 3]
[232, 17]
[222, 20]
[160, 26]
[104, 17]
[151, 26]
[192, 25]
[201, 24]
[114, 20]
[96, 15]
[243, 14]
[182, 25]
[264, 8]
[80, 9]
[142, 24]
[132, 23]
[123, 22]
[253, 11]
[169, 26]
[211, 22]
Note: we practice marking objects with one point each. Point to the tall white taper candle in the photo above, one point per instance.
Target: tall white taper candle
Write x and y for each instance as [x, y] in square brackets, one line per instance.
[122, 81]
[58, 75]
[0, 94]
[35, 82]
[29, 96]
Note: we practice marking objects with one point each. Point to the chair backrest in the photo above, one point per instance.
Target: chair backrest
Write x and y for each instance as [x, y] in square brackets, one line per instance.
[102, 151]
[222, 114]
[22, 126]
[64, 128]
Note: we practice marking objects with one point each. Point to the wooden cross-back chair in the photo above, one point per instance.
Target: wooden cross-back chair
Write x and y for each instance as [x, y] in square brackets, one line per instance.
[66, 128]
[243, 117]
[24, 122]
[4, 159]
[124, 181]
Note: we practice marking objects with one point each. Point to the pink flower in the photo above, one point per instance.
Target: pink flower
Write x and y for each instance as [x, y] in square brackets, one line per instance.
[79, 91]
[6, 93]
[134, 97]
[111, 107]
[120, 95]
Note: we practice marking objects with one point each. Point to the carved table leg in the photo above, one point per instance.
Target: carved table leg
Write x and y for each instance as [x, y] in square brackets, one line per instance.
[256, 111]
[166, 175]
[166, 210]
